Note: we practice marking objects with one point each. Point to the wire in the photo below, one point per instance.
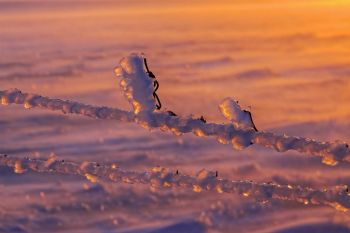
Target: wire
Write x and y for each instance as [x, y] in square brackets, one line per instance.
[155, 85]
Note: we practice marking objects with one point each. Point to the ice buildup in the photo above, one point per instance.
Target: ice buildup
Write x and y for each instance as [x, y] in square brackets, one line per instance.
[241, 119]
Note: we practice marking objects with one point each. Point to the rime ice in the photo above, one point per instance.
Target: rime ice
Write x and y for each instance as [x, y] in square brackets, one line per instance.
[136, 84]
[203, 181]
[233, 112]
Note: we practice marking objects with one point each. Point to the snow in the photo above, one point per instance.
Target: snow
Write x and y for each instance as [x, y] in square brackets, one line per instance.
[293, 73]
[231, 110]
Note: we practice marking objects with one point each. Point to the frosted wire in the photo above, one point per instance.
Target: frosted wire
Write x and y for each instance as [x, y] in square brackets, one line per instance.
[137, 87]
[336, 197]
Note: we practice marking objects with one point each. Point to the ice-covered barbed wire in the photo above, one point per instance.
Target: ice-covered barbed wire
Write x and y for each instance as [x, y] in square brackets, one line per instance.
[238, 117]
[15, 96]
[139, 90]
[336, 197]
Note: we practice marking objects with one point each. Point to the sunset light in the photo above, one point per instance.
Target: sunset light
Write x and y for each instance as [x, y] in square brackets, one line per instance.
[175, 116]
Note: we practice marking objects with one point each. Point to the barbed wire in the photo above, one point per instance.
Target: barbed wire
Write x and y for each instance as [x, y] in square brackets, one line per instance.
[139, 89]
[155, 85]
[337, 197]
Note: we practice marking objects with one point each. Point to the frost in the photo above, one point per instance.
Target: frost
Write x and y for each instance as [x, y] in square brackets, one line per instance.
[241, 119]
[136, 84]
[15, 96]
[202, 174]
[239, 142]
[205, 180]
[18, 168]
[91, 178]
[197, 188]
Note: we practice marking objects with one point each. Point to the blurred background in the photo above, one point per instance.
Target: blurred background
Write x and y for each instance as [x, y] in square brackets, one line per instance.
[285, 61]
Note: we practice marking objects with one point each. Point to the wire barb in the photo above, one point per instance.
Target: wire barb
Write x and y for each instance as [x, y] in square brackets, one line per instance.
[155, 85]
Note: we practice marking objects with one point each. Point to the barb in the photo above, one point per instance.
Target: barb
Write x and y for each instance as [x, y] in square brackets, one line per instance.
[155, 85]
[336, 197]
[138, 89]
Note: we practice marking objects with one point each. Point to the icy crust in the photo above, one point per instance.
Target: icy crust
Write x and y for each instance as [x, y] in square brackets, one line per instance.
[136, 83]
[336, 197]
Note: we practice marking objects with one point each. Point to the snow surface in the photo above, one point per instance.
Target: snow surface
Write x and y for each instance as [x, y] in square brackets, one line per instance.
[293, 73]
